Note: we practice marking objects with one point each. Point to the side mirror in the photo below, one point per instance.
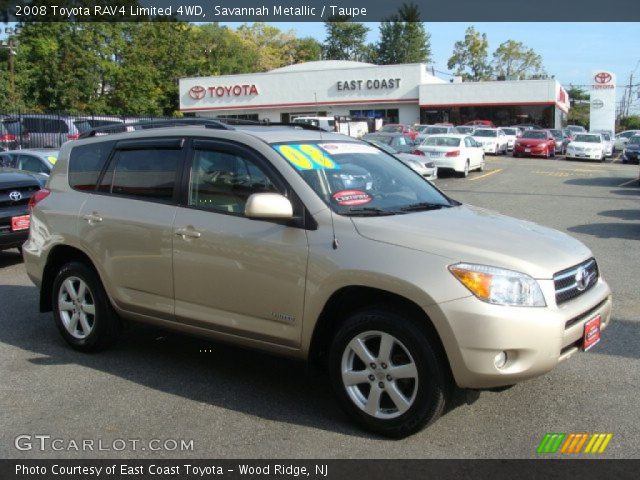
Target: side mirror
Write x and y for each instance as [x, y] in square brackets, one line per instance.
[268, 205]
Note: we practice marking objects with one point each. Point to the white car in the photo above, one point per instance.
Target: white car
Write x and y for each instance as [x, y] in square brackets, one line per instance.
[427, 130]
[511, 134]
[493, 140]
[623, 137]
[607, 136]
[460, 153]
[589, 146]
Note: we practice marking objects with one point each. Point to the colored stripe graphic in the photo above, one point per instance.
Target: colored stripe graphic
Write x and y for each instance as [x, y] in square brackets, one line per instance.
[551, 442]
[573, 443]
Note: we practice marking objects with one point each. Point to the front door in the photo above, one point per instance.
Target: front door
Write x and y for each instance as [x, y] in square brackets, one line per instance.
[233, 274]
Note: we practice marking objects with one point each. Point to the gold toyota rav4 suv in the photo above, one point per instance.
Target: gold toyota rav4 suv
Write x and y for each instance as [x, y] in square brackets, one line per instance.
[312, 245]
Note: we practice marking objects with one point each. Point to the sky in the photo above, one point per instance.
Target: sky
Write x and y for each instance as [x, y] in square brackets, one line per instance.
[570, 51]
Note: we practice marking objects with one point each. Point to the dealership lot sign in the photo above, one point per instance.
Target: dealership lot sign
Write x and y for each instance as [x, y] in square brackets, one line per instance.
[603, 101]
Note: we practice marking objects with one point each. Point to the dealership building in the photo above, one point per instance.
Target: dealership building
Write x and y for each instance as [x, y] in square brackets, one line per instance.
[407, 94]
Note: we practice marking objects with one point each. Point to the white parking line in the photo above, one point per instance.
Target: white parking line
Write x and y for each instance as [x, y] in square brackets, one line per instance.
[486, 174]
[629, 182]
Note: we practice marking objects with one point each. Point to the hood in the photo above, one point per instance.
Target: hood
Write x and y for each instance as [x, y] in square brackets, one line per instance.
[474, 235]
[532, 141]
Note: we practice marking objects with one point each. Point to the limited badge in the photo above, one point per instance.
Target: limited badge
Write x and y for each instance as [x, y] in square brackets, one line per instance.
[350, 198]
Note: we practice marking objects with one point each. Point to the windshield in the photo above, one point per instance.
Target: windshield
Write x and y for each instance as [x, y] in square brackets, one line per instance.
[588, 138]
[358, 179]
[575, 128]
[534, 134]
[441, 142]
[485, 133]
[464, 130]
[391, 129]
[510, 131]
[434, 130]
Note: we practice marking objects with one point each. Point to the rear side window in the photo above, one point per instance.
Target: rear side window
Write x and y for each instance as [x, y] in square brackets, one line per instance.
[86, 162]
[145, 173]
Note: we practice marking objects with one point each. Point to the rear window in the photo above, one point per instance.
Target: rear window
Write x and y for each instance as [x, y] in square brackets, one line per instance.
[442, 142]
[534, 134]
[45, 125]
[86, 162]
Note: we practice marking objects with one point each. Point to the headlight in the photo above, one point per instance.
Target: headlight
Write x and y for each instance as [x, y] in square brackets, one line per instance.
[499, 286]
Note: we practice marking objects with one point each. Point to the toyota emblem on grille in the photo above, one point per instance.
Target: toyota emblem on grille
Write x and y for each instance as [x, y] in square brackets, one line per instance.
[15, 196]
[582, 279]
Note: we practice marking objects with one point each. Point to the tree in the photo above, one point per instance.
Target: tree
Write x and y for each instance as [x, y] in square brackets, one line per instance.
[514, 59]
[306, 49]
[403, 38]
[578, 93]
[470, 56]
[345, 40]
[275, 48]
[224, 51]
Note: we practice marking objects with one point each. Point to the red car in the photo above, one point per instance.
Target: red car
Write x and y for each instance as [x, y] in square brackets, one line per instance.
[481, 123]
[535, 143]
[399, 128]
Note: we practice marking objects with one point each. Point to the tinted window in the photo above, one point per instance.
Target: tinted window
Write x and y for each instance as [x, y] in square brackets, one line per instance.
[223, 182]
[7, 160]
[86, 162]
[45, 125]
[31, 164]
[534, 134]
[146, 173]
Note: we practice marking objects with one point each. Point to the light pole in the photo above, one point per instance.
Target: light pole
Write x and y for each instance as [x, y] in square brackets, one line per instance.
[11, 44]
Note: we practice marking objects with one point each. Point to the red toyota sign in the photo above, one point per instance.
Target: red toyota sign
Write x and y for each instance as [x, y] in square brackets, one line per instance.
[199, 92]
[602, 78]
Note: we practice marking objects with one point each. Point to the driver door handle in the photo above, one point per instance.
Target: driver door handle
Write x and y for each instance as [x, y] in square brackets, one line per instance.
[187, 232]
[92, 218]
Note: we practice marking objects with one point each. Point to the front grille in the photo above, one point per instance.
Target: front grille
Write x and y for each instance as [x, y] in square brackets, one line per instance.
[575, 281]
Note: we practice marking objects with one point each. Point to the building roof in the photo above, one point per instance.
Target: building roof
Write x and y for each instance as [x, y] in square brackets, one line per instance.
[322, 65]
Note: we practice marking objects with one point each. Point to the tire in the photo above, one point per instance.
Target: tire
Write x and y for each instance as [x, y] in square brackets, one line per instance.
[423, 392]
[481, 167]
[553, 153]
[99, 329]
[465, 172]
[515, 154]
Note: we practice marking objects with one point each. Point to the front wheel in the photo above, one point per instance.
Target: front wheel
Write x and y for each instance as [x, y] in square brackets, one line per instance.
[387, 373]
[81, 309]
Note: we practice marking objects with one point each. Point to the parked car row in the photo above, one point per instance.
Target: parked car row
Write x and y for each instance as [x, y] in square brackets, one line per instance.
[51, 131]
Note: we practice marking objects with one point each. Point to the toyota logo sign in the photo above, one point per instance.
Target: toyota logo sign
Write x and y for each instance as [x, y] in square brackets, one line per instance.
[198, 92]
[597, 103]
[602, 78]
[15, 196]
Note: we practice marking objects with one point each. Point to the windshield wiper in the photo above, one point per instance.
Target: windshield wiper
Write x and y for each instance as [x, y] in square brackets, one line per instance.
[415, 207]
[369, 212]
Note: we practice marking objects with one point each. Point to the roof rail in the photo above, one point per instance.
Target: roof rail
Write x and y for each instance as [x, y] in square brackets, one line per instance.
[119, 127]
[267, 123]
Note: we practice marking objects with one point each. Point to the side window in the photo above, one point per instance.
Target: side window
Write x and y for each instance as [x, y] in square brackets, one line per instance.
[86, 162]
[7, 161]
[146, 173]
[222, 181]
[467, 142]
[31, 164]
[401, 141]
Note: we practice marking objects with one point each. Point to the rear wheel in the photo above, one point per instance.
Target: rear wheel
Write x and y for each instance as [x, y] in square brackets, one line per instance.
[465, 172]
[81, 309]
[387, 373]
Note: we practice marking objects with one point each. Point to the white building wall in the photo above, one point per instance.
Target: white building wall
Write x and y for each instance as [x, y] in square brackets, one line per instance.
[315, 85]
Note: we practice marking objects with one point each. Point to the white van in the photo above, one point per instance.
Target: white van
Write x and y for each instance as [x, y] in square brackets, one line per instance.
[325, 123]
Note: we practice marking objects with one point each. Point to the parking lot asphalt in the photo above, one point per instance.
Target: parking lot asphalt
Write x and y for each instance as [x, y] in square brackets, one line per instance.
[236, 403]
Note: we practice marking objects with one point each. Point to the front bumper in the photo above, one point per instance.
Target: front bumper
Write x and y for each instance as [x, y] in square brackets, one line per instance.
[584, 155]
[535, 339]
[532, 151]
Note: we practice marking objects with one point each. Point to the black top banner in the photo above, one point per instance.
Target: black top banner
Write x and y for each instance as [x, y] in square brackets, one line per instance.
[319, 10]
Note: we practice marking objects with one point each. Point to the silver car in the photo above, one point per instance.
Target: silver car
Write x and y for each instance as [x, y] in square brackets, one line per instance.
[419, 163]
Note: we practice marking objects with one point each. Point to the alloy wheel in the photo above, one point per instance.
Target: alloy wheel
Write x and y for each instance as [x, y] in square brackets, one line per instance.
[77, 307]
[379, 374]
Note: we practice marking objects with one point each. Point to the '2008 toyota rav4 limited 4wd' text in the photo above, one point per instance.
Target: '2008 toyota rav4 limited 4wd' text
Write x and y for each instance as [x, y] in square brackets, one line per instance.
[312, 245]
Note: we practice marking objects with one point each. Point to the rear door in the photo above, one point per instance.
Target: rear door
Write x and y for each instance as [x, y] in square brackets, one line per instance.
[233, 274]
[127, 223]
